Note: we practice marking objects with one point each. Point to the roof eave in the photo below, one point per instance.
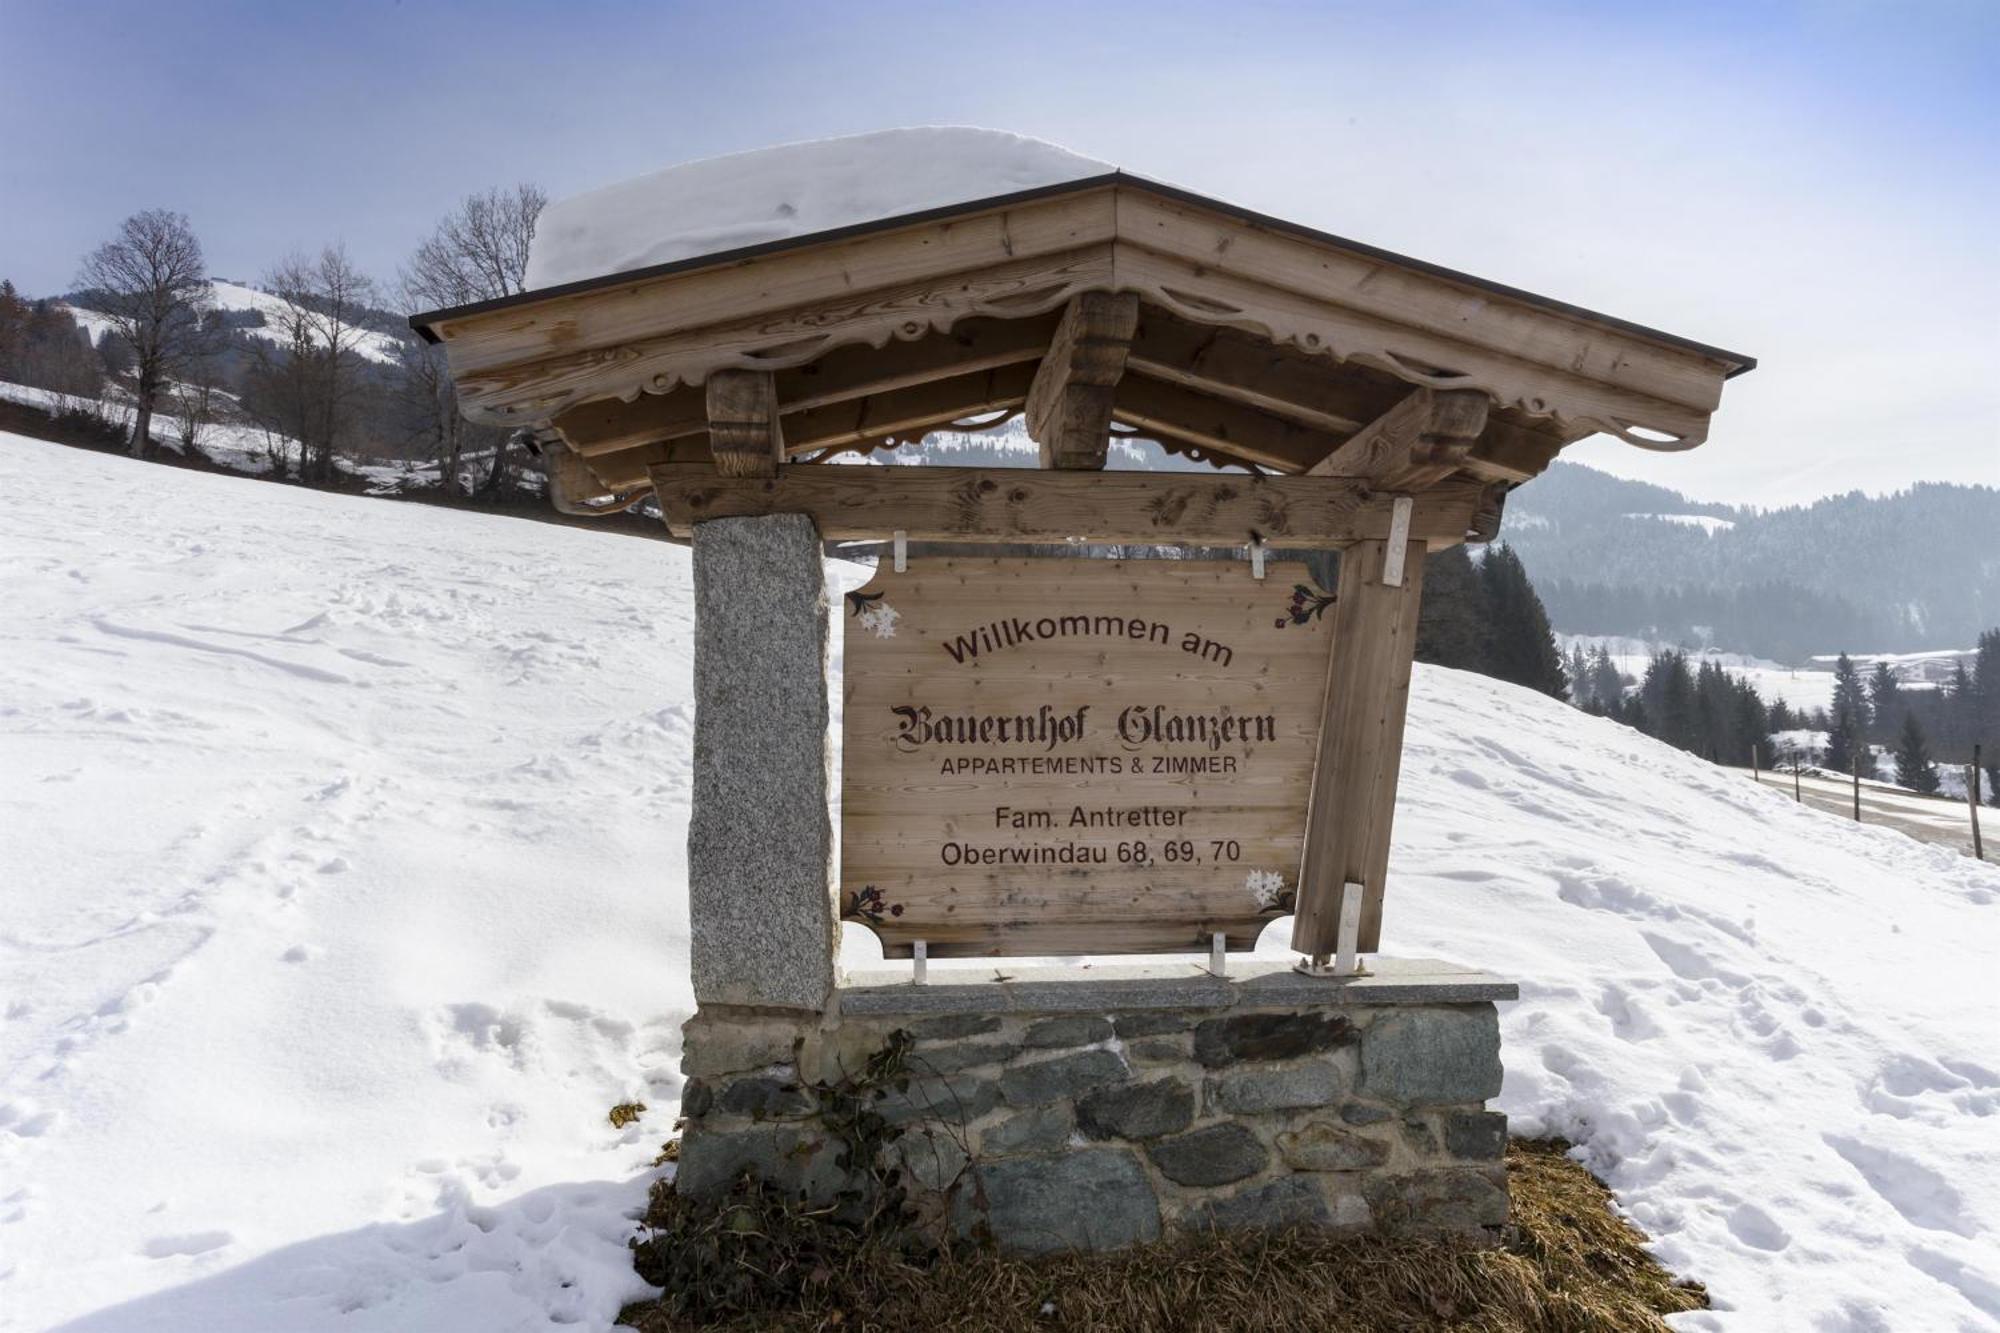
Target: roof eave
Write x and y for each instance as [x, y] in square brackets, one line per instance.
[423, 323]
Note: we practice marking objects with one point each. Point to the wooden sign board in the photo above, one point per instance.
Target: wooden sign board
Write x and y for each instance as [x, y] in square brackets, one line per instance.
[1078, 756]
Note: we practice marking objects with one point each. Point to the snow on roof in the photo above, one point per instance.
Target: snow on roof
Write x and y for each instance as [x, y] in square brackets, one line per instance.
[774, 194]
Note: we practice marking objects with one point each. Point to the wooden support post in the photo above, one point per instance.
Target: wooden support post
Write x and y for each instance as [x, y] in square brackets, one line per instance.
[1069, 404]
[1360, 746]
[743, 431]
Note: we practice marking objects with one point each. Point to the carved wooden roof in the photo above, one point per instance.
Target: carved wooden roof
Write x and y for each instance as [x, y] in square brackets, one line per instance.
[1110, 301]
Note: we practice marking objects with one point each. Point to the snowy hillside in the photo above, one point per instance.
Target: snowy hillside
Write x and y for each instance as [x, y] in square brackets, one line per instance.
[379, 347]
[341, 844]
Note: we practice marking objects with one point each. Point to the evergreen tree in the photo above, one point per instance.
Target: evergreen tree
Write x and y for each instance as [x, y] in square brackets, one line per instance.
[1885, 700]
[1452, 620]
[1851, 694]
[1847, 737]
[1749, 727]
[1914, 768]
[1521, 649]
[1841, 740]
[1606, 685]
[1778, 717]
[1669, 701]
[1985, 710]
[1634, 716]
[1577, 668]
[1954, 734]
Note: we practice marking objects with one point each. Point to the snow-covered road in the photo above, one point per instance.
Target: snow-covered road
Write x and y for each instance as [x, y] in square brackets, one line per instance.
[342, 892]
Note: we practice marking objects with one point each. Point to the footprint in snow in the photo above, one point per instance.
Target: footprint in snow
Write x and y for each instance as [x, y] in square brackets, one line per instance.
[1982, 1291]
[1757, 1228]
[1923, 1197]
[194, 1242]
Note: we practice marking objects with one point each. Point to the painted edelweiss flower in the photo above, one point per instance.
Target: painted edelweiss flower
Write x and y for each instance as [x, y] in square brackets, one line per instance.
[881, 620]
[1268, 888]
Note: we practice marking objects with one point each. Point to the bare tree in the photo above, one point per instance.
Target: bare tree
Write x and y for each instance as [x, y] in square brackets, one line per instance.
[149, 281]
[305, 383]
[479, 252]
[194, 407]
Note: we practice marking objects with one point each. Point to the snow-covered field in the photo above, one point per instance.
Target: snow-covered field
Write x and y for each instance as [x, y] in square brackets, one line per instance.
[341, 893]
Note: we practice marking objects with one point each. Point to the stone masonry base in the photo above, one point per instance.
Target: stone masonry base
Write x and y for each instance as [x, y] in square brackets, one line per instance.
[1083, 1108]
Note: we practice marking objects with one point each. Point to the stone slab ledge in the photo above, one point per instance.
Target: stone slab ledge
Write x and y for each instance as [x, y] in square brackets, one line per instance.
[1259, 982]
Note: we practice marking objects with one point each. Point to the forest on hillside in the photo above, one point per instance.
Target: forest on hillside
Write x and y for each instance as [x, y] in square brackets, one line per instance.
[1915, 570]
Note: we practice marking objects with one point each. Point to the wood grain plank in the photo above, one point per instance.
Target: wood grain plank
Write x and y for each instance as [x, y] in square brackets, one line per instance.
[1418, 441]
[1081, 756]
[926, 254]
[1360, 747]
[1004, 504]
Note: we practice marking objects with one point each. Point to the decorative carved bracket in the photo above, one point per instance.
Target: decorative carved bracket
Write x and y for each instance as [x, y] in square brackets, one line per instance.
[1069, 404]
[743, 430]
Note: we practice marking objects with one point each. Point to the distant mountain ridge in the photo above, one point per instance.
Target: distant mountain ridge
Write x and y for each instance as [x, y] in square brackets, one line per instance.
[1919, 569]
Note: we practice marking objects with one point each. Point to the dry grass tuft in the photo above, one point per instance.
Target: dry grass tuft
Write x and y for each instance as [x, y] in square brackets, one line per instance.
[1575, 1267]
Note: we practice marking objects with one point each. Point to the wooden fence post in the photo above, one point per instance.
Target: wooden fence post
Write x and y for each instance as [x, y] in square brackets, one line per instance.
[1856, 766]
[1360, 745]
[1797, 795]
[1972, 800]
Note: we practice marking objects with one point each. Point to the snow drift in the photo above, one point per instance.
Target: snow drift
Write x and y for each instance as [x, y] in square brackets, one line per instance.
[341, 893]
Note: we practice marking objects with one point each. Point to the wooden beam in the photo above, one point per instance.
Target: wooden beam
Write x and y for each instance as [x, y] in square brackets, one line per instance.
[1301, 387]
[1589, 389]
[1353, 803]
[657, 362]
[1492, 509]
[743, 431]
[1420, 440]
[919, 407]
[931, 255]
[1218, 256]
[901, 413]
[1069, 406]
[570, 481]
[1147, 404]
[1019, 505]
[607, 425]
[1510, 452]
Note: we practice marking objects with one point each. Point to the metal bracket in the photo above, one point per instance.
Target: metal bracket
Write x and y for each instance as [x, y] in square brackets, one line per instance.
[902, 551]
[1218, 954]
[920, 958]
[1346, 963]
[1256, 557]
[1399, 541]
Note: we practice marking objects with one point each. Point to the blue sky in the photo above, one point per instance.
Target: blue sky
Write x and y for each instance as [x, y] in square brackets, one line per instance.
[1817, 184]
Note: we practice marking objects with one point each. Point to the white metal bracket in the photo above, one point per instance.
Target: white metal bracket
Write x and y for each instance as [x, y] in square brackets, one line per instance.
[902, 552]
[1399, 540]
[920, 959]
[1218, 954]
[1346, 962]
[1256, 557]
